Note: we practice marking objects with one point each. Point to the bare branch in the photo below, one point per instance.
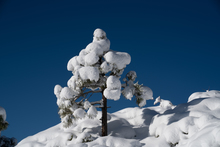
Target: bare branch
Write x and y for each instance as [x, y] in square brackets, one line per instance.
[83, 94]
[97, 102]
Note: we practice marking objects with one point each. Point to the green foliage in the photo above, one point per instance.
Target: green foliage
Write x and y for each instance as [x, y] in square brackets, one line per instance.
[138, 100]
[7, 142]
[87, 139]
[3, 124]
[64, 112]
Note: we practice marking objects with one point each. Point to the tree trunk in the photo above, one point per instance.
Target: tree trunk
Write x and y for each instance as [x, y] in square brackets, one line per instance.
[104, 116]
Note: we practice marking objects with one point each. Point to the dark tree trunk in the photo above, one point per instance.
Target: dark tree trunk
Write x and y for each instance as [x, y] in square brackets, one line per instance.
[104, 116]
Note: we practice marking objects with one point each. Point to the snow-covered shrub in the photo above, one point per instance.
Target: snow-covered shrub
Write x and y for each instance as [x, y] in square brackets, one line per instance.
[3, 123]
[97, 69]
[7, 142]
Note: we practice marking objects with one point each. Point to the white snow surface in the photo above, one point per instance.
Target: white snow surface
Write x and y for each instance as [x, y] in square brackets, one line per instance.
[192, 124]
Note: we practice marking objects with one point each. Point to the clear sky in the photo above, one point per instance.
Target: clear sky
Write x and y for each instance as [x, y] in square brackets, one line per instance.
[174, 47]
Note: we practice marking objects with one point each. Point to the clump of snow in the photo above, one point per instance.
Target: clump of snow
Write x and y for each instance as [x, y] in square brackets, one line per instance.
[73, 64]
[87, 105]
[89, 73]
[113, 90]
[113, 82]
[128, 92]
[119, 59]
[3, 113]
[113, 94]
[145, 94]
[99, 34]
[79, 113]
[66, 93]
[166, 104]
[92, 112]
[106, 67]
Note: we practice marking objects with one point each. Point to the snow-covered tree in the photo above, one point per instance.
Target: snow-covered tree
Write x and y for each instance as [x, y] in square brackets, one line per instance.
[5, 141]
[3, 122]
[97, 69]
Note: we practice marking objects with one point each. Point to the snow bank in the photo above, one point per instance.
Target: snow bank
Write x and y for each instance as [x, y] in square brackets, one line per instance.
[193, 124]
[190, 124]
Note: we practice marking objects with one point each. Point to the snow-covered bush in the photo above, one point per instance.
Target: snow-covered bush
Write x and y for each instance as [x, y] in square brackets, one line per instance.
[5, 141]
[3, 123]
[97, 69]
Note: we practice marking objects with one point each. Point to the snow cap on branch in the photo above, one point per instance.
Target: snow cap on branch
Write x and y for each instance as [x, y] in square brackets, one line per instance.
[92, 112]
[99, 34]
[113, 90]
[145, 94]
[89, 73]
[86, 105]
[119, 59]
[79, 113]
[57, 90]
[3, 113]
[66, 93]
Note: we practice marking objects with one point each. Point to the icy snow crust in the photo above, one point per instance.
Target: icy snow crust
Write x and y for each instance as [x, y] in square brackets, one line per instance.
[193, 124]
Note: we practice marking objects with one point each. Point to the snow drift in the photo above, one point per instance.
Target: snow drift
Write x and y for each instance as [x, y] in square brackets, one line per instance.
[192, 124]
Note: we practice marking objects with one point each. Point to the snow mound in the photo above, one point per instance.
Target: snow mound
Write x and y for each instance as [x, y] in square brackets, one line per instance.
[192, 124]
[197, 95]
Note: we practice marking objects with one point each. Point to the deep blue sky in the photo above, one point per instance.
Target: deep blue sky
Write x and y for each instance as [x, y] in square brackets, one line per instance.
[174, 45]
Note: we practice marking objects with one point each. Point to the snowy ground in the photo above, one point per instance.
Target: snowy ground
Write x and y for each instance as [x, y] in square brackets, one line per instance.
[192, 124]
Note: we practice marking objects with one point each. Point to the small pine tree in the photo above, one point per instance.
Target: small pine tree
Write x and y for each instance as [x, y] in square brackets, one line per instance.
[97, 69]
[5, 141]
[3, 124]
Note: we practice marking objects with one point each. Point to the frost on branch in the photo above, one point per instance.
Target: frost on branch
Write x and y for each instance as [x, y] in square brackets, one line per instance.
[97, 69]
[141, 93]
